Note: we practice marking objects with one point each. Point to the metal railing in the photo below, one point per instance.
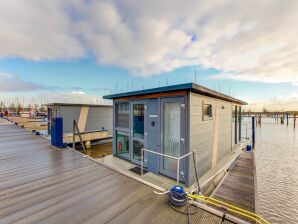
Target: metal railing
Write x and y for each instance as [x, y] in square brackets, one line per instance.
[74, 128]
[246, 132]
[168, 156]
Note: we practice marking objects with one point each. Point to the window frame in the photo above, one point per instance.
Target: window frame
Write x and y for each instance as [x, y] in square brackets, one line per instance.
[119, 128]
[207, 117]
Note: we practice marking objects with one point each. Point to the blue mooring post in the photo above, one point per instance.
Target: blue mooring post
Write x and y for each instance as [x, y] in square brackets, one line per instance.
[253, 132]
[287, 119]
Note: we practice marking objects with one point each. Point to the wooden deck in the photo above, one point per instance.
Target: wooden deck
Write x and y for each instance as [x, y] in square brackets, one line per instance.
[238, 187]
[42, 184]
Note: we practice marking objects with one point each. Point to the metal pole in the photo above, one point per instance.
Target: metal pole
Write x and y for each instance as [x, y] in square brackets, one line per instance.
[73, 134]
[246, 132]
[142, 162]
[253, 132]
[178, 169]
[287, 119]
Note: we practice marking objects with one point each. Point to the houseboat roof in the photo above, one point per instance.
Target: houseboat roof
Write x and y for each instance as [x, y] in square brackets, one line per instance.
[187, 86]
[76, 105]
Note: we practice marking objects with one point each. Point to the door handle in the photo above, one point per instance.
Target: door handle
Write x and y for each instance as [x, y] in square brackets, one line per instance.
[182, 140]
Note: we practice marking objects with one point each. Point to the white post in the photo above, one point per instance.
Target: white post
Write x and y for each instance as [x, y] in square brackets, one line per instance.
[178, 170]
[142, 162]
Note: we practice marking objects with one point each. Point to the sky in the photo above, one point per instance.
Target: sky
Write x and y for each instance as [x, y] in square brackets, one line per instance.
[78, 51]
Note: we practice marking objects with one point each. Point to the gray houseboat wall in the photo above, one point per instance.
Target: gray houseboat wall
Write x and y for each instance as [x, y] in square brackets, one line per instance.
[157, 124]
[212, 138]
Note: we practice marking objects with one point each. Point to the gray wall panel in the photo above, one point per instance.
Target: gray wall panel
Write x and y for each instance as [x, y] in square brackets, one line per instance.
[69, 113]
[99, 118]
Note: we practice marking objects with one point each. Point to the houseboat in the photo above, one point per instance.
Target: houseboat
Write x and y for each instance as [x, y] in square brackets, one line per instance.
[173, 121]
[93, 121]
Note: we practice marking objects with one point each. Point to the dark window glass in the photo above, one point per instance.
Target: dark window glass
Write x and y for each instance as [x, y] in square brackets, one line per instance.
[137, 150]
[207, 111]
[122, 115]
[122, 141]
[138, 121]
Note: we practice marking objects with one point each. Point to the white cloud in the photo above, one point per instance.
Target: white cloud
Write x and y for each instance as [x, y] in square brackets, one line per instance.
[247, 40]
[14, 83]
[279, 103]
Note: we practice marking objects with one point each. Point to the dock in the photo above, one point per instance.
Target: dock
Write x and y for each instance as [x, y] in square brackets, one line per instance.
[43, 184]
[238, 186]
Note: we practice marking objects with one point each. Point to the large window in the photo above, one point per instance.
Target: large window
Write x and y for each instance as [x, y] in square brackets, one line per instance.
[122, 115]
[122, 144]
[138, 121]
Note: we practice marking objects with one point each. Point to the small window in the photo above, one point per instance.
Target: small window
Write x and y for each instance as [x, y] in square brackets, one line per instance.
[122, 115]
[207, 111]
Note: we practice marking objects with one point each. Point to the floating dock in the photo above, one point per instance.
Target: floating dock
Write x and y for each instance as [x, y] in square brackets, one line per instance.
[42, 184]
[238, 186]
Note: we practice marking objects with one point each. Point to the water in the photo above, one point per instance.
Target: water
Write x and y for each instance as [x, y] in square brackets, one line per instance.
[276, 157]
[99, 150]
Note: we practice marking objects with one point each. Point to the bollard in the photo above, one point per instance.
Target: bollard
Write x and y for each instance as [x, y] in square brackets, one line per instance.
[253, 132]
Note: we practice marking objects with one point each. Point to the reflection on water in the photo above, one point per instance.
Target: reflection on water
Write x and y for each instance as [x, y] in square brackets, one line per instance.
[99, 150]
[277, 171]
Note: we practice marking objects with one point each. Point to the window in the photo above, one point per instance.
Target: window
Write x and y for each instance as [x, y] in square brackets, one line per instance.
[122, 115]
[207, 111]
[122, 141]
[137, 150]
[138, 121]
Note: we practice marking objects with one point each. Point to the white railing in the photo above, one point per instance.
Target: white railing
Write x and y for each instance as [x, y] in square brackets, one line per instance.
[168, 156]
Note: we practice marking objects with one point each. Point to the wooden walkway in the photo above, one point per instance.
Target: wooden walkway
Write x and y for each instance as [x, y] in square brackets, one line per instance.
[42, 184]
[238, 187]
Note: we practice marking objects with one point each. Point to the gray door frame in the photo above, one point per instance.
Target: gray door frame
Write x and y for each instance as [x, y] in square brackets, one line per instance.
[183, 126]
[131, 131]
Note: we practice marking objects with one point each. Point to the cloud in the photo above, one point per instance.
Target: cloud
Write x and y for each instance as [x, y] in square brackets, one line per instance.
[13, 83]
[252, 40]
[279, 103]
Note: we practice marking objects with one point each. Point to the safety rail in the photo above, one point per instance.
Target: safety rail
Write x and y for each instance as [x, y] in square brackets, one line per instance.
[246, 132]
[74, 128]
[168, 156]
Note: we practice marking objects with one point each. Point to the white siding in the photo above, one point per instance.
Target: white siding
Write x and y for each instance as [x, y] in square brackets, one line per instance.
[100, 118]
[207, 137]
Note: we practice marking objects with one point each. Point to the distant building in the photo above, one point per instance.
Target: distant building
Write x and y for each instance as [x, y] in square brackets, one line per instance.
[89, 117]
[176, 120]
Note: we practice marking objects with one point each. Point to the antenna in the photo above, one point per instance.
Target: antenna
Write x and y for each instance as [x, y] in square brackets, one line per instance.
[196, 76]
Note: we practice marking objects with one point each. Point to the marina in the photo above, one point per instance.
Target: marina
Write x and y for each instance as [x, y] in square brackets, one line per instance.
[42, 184]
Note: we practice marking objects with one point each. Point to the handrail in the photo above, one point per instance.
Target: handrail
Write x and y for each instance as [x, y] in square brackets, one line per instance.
[75, 127]
[168, 156]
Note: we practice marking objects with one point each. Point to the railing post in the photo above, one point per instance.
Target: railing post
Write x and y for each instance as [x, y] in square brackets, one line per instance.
[142, 162]
[253, 132]
[178, 170]
[73, 134]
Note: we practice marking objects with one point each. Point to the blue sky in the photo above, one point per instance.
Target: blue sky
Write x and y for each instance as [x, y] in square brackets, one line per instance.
[86, 75]
[80, 50]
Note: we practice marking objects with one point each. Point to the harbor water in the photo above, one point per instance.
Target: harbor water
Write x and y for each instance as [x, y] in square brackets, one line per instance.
[276, 156]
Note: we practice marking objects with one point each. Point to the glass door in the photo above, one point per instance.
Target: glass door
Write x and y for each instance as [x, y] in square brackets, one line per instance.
[172, 135]
[138, 128]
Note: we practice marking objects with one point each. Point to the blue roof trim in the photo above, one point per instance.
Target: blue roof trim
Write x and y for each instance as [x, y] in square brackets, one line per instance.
[187, 86]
